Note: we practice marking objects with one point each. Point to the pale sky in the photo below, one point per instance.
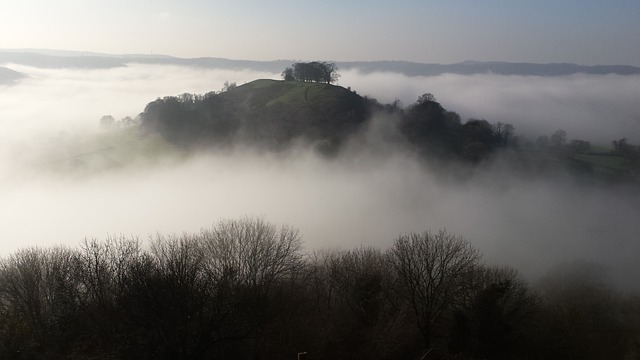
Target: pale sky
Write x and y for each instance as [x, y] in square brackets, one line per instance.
[441, 31]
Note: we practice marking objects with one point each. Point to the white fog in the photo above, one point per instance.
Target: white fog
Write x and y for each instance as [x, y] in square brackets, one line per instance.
[530, 224]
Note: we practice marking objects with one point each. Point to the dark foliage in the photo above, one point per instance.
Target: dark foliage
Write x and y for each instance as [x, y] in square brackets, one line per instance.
[323, 116]
[273, 115]
[437, 132]
[316, 71]
[244, 289]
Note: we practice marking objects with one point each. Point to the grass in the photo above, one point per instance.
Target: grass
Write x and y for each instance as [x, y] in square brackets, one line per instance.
[605, 161]
[269, 93]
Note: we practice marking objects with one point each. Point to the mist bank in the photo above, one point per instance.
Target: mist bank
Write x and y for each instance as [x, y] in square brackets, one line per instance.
[597, 108]
[531, 224]
[368, 197]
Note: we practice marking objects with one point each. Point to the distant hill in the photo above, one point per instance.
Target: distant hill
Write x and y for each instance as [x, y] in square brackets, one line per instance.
[71, 59]
[8, 76]
[476, 67]
[59, 62]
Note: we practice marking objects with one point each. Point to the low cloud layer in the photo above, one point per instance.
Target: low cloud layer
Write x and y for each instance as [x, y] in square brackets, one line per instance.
[531, 224]
[599, 108]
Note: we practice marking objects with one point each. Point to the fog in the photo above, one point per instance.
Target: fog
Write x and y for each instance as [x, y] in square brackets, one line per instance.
[361, 199]
[599, 108]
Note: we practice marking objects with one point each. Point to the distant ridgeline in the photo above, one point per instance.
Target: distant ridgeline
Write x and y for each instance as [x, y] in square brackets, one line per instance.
[84, 60]
[8, 76]
[270, 114]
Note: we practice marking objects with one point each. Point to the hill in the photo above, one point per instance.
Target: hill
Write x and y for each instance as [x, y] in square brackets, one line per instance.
[59, 62]
[8, 76]
[264, 113]
[272, 115]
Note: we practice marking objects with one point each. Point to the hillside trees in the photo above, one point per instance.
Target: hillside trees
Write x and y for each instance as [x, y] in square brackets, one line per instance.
[431, 128]
[273, 115]
[437, 132]
[265, 114]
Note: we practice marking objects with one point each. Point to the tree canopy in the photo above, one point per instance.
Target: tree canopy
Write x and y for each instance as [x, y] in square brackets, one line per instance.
[315, 71]
[246, 289]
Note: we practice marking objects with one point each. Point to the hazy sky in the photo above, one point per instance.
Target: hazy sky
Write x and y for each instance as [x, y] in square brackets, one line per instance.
[585, 32]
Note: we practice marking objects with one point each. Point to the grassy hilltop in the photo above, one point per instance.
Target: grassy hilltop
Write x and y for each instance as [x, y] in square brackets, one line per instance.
[264, 113]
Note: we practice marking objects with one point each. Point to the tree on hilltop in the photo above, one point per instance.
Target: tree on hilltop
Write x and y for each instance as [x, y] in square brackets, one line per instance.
[315, 71]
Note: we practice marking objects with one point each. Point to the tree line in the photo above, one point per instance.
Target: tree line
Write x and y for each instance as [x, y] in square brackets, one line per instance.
[247, 289]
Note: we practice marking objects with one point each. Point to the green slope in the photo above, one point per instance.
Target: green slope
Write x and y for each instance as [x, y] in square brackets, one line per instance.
[264, 113]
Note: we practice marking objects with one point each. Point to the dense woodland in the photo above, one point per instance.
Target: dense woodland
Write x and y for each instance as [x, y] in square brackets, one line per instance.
[247, 289]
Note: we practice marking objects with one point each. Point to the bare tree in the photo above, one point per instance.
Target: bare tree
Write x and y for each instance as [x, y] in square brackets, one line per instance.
[433, 271]
[360, 277]
[254, 252]
[102, 268]
[37, 298]
[503, 133]
[251, 263]
[371, 311]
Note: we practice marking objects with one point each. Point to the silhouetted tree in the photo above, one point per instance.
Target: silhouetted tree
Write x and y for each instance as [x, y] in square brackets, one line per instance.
[38, 302]
[478, 139]
[503, 133]
[432, 129]
[107, 122]
[102, 276]
[316, 71]
[228, 86]
[288, 74]
[251, 260]
[372, 318]
[623, 148]
[433, 274]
